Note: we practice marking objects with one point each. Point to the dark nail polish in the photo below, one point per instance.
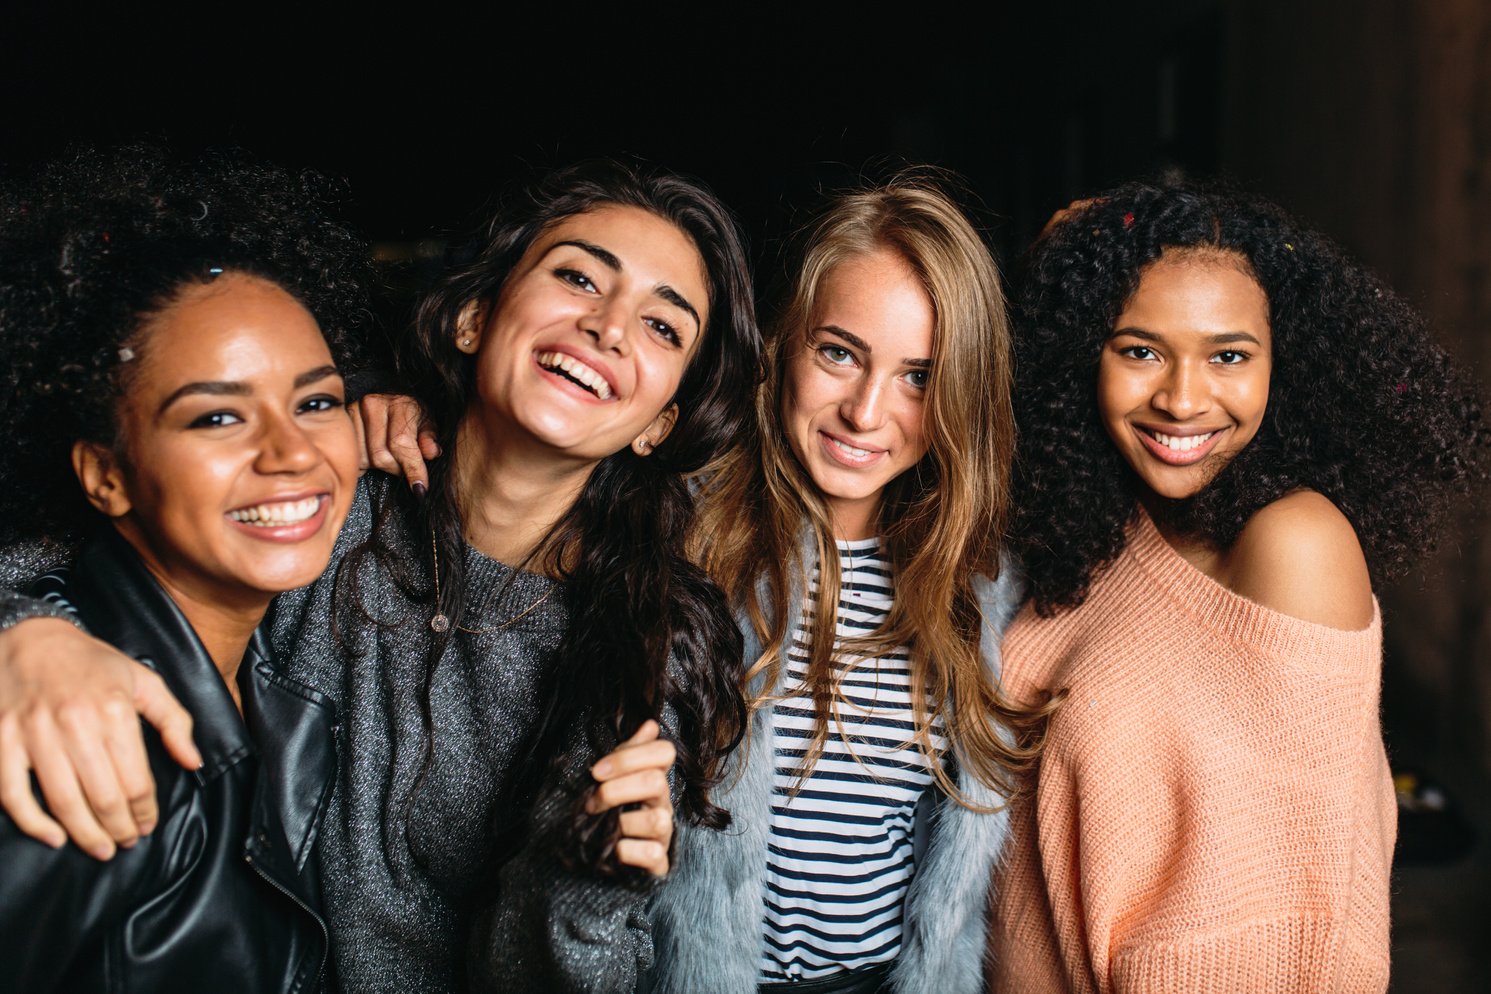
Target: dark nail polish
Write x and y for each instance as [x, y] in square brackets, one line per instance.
[419, 489]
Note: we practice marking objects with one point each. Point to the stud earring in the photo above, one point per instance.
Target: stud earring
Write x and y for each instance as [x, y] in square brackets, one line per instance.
[642, 447]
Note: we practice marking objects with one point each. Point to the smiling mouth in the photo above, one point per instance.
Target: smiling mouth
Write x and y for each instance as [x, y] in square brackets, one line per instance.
[1179, 443]
[569, 368]
[1179, 450]
[277, 514]
[847, 454]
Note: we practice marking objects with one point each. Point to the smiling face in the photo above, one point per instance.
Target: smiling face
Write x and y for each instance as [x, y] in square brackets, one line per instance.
[854, 391]
[1183, 381]
[590, 336]
[239, 457]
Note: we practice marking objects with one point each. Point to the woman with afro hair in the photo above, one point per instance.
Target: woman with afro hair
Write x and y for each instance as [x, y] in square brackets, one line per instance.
[172, 343]
[1230, 435]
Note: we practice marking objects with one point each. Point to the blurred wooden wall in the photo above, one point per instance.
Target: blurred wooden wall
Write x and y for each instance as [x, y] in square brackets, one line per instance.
[1372, 120]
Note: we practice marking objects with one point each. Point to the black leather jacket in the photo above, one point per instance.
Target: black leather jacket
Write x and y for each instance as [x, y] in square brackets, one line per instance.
[222, 896]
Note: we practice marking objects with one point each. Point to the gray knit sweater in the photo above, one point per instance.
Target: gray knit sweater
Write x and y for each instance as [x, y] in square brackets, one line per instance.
[401, 867]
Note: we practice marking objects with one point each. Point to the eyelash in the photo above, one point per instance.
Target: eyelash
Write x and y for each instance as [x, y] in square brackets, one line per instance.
[1131, 351]
[580, 281]
[319, 404]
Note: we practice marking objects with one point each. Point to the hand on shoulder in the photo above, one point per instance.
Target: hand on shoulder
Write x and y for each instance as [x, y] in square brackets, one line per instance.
[1301, 557]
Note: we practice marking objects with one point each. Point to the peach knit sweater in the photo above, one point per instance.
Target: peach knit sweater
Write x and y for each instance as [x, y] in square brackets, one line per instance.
[1213, 811]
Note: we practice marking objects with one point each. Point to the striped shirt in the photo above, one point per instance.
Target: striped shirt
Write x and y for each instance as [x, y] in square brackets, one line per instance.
[839, 853]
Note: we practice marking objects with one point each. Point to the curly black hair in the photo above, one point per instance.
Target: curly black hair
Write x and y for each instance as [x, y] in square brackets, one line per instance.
[97, 242]
[1363, 407]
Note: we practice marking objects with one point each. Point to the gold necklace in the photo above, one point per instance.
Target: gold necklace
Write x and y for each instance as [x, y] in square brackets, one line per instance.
[440, 624]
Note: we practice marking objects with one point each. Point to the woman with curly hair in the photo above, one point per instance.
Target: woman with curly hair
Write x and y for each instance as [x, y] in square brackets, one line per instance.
[858, 538]
[173, 341]
[503, 643]
[1230, 435]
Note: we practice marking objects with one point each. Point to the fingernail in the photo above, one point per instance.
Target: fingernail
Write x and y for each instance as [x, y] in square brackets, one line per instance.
[128, 845]
[147, 827]
[601, 770]
[57, 841]
[419, 489]
[101, 852]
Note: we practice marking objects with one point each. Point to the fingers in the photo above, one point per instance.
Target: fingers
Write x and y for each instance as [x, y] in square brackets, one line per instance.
[650, 856]
[15, 789]
[648, 825]
[55, 773]
[649, 787]
[86, 731]
[174, 722]
[354, 409]
[397, 440]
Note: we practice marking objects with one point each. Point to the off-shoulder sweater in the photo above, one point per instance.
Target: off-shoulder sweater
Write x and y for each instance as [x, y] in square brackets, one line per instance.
[1213, 811]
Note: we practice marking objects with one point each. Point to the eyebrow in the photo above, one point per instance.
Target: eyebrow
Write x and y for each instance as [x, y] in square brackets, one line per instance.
[609, 260]
[237, 388]
[1220, 338]
[864, 346]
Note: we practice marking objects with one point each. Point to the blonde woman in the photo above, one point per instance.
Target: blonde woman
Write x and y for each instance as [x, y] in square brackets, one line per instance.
[858, 539]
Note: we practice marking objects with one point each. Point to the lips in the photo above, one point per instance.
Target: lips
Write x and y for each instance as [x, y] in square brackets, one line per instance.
[846, 453]
[1176, 447]
[578, 372]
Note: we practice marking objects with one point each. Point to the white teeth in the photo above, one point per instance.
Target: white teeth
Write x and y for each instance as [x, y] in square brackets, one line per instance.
[1181, 443]
[587, 377]
[288, 512]
[845, 446]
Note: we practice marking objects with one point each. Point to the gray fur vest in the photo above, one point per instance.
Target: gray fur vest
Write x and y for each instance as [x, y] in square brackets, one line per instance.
[707, 918]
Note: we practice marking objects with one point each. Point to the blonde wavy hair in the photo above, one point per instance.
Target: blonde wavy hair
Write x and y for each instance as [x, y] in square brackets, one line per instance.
[940, 522]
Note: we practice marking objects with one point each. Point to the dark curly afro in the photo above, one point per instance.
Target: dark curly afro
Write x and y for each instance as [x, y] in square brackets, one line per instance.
[92, 246]
[1363, 407]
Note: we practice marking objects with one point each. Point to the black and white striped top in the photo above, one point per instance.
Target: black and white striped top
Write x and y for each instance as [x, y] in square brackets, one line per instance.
[839, 856]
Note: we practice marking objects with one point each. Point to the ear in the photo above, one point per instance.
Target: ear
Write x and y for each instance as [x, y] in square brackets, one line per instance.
[99, 472]
[469, 325]
[653, 436]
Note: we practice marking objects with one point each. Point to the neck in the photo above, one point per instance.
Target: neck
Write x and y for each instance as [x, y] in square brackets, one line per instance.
[511, 495]
[855, 519]
[224, 620]
[1191, 547]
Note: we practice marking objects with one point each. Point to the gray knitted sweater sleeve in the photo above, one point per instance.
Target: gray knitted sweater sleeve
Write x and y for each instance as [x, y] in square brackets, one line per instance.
[549, 929]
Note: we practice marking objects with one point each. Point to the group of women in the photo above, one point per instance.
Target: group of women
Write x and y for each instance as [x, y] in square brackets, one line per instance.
[966, 653]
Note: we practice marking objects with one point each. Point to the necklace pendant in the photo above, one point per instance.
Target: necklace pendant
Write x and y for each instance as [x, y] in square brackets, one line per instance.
[440, 623]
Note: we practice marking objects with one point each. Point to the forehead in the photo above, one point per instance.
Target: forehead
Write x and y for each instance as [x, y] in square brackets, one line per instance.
[878, 296]
[227, 329]
[650, 248]
[1203, 291]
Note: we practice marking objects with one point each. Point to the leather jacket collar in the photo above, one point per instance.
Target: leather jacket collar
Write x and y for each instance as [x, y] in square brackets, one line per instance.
[288, 723]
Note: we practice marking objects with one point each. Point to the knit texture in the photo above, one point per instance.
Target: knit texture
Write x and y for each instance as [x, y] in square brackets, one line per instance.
[1214, 810]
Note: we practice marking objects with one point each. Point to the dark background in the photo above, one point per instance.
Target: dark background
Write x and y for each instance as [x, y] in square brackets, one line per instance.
[1371, 119]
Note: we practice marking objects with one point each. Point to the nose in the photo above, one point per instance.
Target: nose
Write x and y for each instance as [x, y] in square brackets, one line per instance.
[285, 448]
[863, 408]
[1183, 393]
[607, 323]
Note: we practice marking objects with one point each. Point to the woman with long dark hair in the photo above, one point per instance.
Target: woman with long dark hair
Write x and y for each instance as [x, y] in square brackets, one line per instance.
[1230, 435]
[534, 609]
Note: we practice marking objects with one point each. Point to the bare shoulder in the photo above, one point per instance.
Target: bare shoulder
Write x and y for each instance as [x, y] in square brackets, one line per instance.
[1301, 557]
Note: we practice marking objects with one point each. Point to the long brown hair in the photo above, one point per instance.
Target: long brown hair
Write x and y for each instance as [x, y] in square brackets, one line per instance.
[940, 522]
